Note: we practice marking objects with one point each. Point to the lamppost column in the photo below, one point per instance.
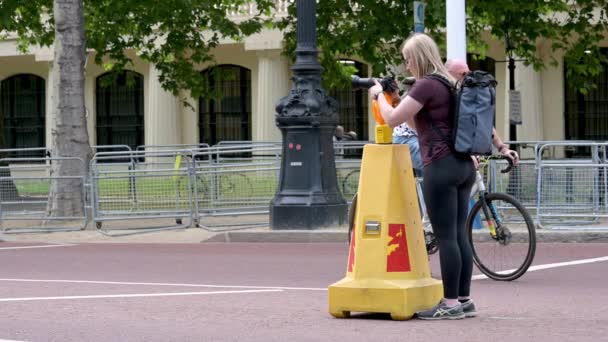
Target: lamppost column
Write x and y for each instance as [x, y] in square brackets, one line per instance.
[307, 196]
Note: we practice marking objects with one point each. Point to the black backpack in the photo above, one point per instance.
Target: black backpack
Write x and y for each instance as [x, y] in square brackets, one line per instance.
[472, 109]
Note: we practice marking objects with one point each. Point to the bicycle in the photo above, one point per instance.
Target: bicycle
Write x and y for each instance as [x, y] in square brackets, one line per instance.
[499, 211]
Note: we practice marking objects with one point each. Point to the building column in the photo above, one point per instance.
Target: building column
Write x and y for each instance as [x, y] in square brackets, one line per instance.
[90, 106]
[272, 85]
[48, 115]
[162, 115]
[502, 101]
[553, 96]
[190, 133]
[528, 82]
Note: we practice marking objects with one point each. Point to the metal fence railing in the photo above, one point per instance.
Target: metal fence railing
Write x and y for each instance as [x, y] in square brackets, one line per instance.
[33, 198]
[572, 191]
[135, 196]
[233, 181]
[230, 186]
[348, 163]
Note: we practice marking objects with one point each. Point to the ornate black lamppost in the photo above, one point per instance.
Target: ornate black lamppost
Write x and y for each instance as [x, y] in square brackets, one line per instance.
[308, 196]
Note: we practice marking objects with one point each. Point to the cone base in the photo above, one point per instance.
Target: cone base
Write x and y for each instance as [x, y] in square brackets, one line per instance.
[399, 298]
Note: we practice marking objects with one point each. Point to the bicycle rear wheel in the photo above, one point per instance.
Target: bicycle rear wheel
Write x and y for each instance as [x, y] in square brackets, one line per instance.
[506, 254]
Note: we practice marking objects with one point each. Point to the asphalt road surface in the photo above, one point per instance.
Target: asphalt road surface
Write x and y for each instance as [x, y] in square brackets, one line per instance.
[272, 292]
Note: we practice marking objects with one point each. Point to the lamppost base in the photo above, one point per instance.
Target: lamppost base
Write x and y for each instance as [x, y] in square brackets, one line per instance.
[283, 217]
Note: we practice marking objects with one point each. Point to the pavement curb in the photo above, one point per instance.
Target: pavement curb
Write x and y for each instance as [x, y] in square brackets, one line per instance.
[296, 236]
[266, 235]
[303, 236]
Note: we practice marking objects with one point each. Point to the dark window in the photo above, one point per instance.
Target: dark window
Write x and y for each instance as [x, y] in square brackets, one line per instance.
[120, 109]
[22, 103]
[487, 64]
[586, 116]
[352, 105]
[228, 116]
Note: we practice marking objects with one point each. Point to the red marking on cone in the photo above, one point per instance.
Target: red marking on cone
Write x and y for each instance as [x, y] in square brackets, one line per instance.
[351, 252]
[397, 258]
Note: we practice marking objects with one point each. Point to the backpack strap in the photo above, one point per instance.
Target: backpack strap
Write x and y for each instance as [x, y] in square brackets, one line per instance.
[451, 116]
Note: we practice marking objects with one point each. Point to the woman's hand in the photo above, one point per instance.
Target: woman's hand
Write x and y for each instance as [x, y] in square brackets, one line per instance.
[505, 151]
[475, 160]
[375, 90]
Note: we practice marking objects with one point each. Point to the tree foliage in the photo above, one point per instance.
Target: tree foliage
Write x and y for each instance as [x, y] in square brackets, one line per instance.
[175, 35]
[374, 31]
[574, 28]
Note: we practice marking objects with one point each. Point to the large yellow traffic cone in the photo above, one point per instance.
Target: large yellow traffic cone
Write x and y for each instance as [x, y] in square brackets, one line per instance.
[388, 269]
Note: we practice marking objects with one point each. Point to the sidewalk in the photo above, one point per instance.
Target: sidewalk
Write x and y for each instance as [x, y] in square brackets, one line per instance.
[262, 235]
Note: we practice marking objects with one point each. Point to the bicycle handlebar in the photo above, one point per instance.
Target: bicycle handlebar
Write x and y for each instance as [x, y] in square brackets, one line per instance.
[509, 160]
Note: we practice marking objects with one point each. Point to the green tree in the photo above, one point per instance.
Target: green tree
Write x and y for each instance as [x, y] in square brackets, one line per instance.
[174, 35]
[572, 27]
[374, 31]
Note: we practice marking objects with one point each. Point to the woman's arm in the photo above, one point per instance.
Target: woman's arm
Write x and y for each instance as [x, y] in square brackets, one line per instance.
[405, 110]
[504, 148]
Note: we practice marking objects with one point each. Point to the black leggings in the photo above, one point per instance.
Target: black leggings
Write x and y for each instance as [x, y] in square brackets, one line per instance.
[446, 187]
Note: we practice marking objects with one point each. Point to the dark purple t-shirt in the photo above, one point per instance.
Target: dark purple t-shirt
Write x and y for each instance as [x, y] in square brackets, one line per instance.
[435, 99]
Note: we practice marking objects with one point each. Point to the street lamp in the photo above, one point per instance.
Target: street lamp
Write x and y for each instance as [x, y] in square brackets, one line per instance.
[308, 195]
[512, 121]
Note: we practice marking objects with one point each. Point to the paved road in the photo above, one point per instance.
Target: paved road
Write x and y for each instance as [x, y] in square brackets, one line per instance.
[270, 292]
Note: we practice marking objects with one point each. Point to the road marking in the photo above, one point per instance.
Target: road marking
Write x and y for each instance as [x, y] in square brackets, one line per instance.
[10, 341]
[135, 295]
[546, 266]
[41, 246]
[476, 277]
[163, 284]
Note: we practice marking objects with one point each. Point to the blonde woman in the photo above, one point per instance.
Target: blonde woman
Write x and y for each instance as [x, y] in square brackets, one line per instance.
[448, 177]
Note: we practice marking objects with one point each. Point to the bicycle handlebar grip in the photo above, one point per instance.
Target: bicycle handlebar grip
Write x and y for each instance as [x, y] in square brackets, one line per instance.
[508, 168]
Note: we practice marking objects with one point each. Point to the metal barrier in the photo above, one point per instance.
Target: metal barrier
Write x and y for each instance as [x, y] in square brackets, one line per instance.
[519, 183]
[27, 187]
[110, 148]
[174, 147]
[19, 153]
[138, 195]
[348, 164]
[230, 185]
[572, 191]
[233, 181]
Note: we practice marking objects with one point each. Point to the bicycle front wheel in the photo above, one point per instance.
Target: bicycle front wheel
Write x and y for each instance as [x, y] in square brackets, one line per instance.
[502, 236]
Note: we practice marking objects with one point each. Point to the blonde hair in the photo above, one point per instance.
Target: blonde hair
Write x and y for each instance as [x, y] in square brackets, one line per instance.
[424, 53]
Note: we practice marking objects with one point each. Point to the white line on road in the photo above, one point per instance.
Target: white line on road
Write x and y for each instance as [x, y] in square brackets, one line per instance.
[163, 284]
[41, 246]
[476, 277]
[10, 341]
[135, 295]
[554, 265]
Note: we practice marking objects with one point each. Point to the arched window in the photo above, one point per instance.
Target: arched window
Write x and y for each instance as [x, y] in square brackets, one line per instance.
[586, 115]
[352, 104]
[120, 109]
[229, 116]
[22, 103]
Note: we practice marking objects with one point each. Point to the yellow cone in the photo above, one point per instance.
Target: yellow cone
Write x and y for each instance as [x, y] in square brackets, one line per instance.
[388, 269]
